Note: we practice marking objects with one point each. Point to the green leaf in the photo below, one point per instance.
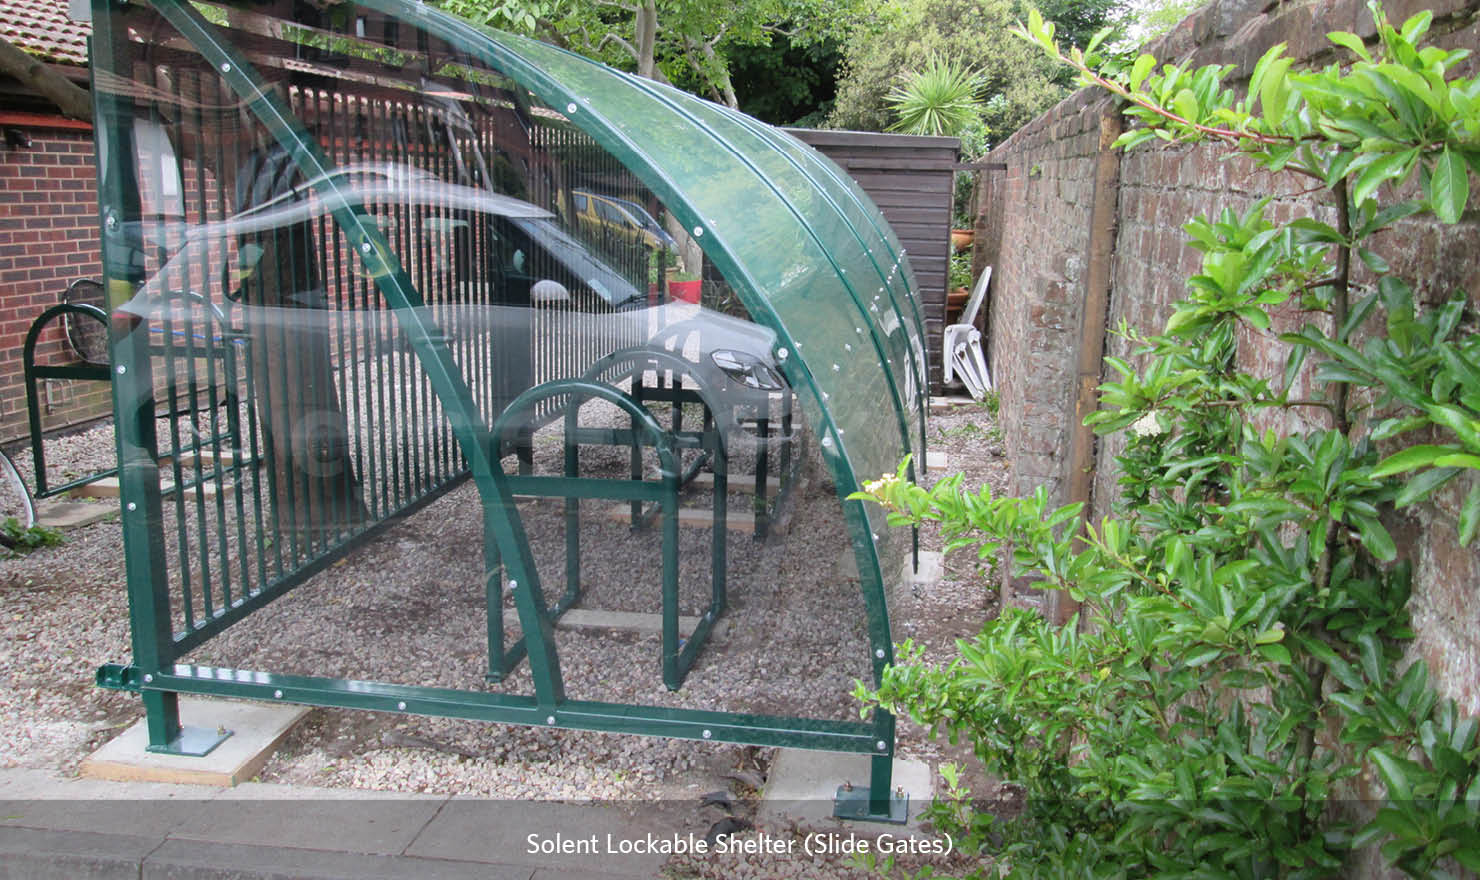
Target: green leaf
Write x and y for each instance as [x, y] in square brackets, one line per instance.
[1449, 187]
[1393, 775]
[1469, 518]
[1275, 653]
[1376, 538]
[1185, 105]
[1274, 90]
[1140, 70]
[1423, 455]
[1389, 167]
[1351, 42]
[1424, 484]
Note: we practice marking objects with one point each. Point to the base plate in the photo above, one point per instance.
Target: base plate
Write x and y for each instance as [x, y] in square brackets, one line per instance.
[852, 803]
[194, 742]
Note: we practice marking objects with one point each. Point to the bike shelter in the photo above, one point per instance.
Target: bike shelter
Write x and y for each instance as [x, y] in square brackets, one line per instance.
[381, 262]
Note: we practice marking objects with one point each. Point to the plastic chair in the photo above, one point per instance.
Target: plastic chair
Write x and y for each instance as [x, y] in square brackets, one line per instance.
[961, 345]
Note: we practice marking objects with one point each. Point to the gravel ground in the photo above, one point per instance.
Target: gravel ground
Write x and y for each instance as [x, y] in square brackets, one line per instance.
[408, 607]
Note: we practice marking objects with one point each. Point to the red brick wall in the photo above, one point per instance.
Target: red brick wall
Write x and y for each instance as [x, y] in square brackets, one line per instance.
[1038, 238]
[48, 238]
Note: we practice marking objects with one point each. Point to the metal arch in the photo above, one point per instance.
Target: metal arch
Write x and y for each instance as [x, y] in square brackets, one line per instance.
[482, 43]
[534, 615]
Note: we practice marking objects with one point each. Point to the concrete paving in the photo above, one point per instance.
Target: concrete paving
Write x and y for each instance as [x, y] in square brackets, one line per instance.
[54, 826]
[255, 730]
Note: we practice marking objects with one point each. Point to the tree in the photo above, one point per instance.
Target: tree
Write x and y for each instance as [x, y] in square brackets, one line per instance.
[1016, 84]
[676, 41]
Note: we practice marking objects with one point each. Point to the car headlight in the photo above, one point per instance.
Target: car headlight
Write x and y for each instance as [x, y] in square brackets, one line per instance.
[747, 369]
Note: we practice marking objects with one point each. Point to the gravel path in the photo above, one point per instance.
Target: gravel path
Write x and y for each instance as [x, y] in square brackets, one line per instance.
[408, 607]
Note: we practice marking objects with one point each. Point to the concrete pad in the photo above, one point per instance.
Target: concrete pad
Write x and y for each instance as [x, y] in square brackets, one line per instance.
[948, 402]
[693, 518]
[738, 483]
[932, 569]
[582, 837]
[257, 729]
[632, 621]
[55, 513]
[936, 460]
[803, 783]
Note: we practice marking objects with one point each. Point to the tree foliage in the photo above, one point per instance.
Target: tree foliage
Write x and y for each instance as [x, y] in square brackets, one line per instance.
[686, 42]
[1244, 667]
[901, 35]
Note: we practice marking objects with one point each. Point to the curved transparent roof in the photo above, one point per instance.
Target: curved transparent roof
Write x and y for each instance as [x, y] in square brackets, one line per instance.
[808, 252]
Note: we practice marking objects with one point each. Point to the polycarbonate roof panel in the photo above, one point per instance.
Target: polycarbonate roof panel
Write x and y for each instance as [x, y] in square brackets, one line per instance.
[808, 253]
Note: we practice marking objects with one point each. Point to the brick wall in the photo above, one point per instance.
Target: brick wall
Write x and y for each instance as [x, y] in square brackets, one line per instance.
[48, 238]
[1038, 233]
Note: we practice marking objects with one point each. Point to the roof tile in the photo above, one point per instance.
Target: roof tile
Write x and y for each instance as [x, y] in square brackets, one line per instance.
[45, 29]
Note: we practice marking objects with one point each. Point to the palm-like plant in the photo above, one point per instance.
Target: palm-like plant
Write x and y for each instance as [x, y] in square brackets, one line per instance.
[938, 99]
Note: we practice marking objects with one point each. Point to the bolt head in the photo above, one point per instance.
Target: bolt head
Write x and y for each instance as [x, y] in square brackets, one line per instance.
[277, 695]
[148, 678]
[121, 369]
[132, 506]
[879, 652]
[401, 705]
[882, 746]
[550, 719]
[707, 733]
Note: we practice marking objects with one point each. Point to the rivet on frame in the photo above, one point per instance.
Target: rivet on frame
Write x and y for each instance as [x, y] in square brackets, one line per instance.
[401, 706]
[827, 442]
[277, 695]
[571, 107]
[882, 746]
[122, 369]
[148, 678]
[707, 734]
[226, 68]
[550, 719]
[781, 354]
[513, 585]
[132, 506]
[879, 652]
[698, 231]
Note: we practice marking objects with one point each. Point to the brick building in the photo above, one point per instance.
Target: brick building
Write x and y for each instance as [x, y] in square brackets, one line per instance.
[48, 214]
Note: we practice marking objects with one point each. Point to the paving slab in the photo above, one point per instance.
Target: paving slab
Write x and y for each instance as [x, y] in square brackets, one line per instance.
[366, 826]
[55, 513]
[256, 730]
[39, 854]
[803, 783]
[558, 837]
[193, 860]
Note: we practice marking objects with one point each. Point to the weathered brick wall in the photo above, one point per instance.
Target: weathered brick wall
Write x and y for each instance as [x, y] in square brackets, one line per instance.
[48, 238]
[1040, 247]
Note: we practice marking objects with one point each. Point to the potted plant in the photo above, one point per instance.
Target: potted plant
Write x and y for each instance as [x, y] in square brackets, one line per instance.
[685, 286]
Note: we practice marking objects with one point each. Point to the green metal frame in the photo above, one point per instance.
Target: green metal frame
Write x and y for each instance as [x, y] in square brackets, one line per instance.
[154, 672]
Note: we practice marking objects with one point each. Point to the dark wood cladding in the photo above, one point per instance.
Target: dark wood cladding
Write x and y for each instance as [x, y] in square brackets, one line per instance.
[910, 178]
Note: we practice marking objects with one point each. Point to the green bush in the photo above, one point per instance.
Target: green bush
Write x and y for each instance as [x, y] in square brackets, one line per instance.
[1241, 661]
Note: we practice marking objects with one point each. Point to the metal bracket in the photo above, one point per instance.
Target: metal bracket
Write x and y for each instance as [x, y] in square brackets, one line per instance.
[193, 742]
[851, 802]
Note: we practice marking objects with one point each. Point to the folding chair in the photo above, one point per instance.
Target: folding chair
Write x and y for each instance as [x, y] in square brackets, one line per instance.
[961, 345]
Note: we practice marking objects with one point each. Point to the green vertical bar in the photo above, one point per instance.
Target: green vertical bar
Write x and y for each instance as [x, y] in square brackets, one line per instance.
[671, 468]
[132, 386]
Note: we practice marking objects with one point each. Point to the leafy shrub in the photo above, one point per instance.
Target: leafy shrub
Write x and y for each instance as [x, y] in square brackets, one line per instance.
[1245, 608]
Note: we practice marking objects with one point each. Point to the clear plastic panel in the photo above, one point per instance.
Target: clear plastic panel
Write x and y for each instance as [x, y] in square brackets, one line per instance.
[666, 461]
